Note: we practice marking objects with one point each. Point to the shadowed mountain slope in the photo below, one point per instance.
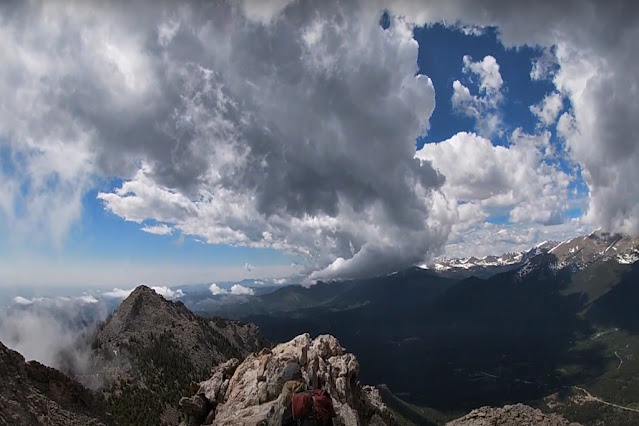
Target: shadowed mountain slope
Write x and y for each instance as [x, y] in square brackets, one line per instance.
[33, 394]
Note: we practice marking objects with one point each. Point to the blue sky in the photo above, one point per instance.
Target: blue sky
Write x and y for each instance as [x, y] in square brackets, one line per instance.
[229, 216]
[440, 57]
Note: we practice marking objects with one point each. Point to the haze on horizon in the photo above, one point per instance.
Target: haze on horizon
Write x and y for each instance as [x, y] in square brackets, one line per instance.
[191, 142]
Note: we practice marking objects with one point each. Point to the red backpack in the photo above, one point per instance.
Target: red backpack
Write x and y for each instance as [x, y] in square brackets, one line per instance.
[313, 405]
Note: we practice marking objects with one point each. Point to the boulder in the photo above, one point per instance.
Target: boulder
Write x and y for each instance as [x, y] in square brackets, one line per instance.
[214, 388]
[248, 393]
[510, 415]
[196, 407]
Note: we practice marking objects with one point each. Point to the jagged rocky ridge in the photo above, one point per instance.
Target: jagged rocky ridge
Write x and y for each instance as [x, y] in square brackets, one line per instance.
[33, 394]
[583, 251]
[446, 264]
[510, 415]
[145, 314]
[247, 393]
[151, 351]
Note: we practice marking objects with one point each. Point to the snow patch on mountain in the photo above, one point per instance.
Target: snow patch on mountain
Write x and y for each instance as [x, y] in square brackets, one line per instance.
[628, 258]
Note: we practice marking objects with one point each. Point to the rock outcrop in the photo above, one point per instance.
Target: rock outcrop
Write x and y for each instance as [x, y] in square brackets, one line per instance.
[510, 415]
[248, 393]
[33, 394]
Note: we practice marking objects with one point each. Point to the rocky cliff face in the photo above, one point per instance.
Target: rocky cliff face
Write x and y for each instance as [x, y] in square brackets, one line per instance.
[510, 415]
[248, 393]
[32, 394]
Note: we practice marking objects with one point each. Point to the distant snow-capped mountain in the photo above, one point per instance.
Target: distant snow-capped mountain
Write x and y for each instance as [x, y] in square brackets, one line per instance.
[447, 264]
[576, 253]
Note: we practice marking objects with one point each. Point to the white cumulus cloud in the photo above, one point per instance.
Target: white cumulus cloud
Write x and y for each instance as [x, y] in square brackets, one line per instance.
[22, 301]
[520, 180]
[487, 70]
[548, 109]
[216, 289]
[240, 290]
[118, 293]
[484, 107]
[168, 293]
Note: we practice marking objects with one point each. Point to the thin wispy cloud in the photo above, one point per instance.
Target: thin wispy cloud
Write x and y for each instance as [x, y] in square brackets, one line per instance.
[162, 229]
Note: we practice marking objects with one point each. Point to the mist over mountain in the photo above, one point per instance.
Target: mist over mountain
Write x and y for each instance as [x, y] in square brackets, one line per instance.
[139, 360]
[33, 394]
[54, 331]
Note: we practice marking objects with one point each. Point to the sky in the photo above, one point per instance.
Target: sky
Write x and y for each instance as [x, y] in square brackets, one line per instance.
[196, 142]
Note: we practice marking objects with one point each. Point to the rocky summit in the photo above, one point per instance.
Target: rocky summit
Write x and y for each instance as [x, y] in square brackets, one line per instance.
[145, 314]
[248, 393]
[32, 394]
[510, 415]
[151, 350]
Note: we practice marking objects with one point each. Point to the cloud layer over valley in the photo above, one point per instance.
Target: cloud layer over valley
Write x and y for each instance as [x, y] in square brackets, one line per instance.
[53, 331]
[56, 331]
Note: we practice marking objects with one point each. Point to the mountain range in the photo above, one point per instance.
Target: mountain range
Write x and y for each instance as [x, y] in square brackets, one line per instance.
[555, 327]
[139, 376]
[559, 316]
[577, 253]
